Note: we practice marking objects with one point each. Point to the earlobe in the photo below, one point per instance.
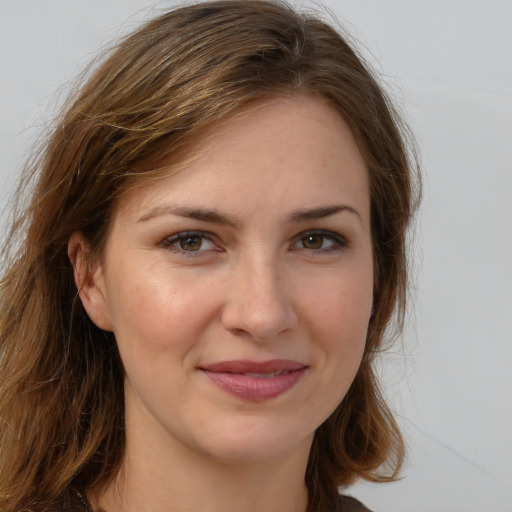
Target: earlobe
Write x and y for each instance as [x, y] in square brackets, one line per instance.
[88, 275]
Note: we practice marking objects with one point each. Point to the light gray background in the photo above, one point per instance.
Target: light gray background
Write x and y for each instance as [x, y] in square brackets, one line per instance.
[448, 63]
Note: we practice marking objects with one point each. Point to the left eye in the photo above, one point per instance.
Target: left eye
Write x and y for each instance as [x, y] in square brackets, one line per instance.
[190, 242]
[317, 241]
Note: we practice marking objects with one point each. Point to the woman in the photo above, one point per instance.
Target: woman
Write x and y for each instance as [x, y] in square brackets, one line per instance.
[212, 255]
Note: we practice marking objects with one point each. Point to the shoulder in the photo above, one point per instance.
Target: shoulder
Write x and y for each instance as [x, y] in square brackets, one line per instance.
[349, 504]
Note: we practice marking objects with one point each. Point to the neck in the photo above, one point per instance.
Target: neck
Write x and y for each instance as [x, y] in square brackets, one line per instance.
[225, 489]
[159, 474]
[196, 485]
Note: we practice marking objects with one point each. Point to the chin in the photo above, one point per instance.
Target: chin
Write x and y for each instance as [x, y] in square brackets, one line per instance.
[248, 443]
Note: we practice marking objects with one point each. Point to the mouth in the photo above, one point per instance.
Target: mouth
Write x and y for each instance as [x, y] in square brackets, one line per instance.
[266, 375]
[253, 380]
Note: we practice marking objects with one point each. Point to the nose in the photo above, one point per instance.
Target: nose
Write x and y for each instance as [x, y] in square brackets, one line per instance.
[259, 305]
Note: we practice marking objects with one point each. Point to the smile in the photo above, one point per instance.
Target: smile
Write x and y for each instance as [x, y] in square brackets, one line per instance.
[266, 375]
[255, 381]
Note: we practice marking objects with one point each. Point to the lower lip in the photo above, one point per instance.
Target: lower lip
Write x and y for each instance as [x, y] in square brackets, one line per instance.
[256, 389]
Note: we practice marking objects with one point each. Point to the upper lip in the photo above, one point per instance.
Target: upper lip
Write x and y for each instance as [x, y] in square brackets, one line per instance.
[246, 366]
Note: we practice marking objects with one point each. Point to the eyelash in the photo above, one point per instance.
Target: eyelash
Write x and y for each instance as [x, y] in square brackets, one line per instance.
[172, 241]
[338, 241]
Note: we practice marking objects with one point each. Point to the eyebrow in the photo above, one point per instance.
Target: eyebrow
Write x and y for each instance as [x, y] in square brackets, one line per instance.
[321, 212]
[190, 213]
[214, 217]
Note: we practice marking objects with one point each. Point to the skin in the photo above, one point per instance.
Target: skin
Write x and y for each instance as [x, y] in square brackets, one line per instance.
[268, 284]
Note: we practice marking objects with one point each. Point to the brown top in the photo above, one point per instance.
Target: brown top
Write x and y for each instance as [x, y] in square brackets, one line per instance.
[349, 504]
[78, 502]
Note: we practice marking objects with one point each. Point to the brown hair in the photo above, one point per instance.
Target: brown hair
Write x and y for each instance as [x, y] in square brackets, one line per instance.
[61, 378]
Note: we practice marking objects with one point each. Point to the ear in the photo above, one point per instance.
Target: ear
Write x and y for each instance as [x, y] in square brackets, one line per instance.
[89, 280]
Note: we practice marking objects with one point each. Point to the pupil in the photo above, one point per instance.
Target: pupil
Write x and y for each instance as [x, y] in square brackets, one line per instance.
[312, 241]
[190, 243]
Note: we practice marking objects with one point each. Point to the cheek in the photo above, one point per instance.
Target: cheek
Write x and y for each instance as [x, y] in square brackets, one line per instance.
[156, 312]
[338, 314]
[340, 317]
[343, 304]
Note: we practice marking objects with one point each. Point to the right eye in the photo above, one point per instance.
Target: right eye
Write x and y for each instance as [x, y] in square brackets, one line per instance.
[190, 242]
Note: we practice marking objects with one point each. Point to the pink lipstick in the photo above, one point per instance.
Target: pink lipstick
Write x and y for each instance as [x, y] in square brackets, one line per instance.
[255, 381]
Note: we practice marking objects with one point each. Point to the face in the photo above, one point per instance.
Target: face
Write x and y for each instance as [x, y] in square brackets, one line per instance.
[239, 288]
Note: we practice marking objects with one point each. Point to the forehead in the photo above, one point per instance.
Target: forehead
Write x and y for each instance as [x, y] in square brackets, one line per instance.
[290, 150]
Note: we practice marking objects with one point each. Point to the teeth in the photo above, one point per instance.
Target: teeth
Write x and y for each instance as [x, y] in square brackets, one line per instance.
[266, 375]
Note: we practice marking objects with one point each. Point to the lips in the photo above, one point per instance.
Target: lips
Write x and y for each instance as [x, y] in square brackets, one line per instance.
[255, 380]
